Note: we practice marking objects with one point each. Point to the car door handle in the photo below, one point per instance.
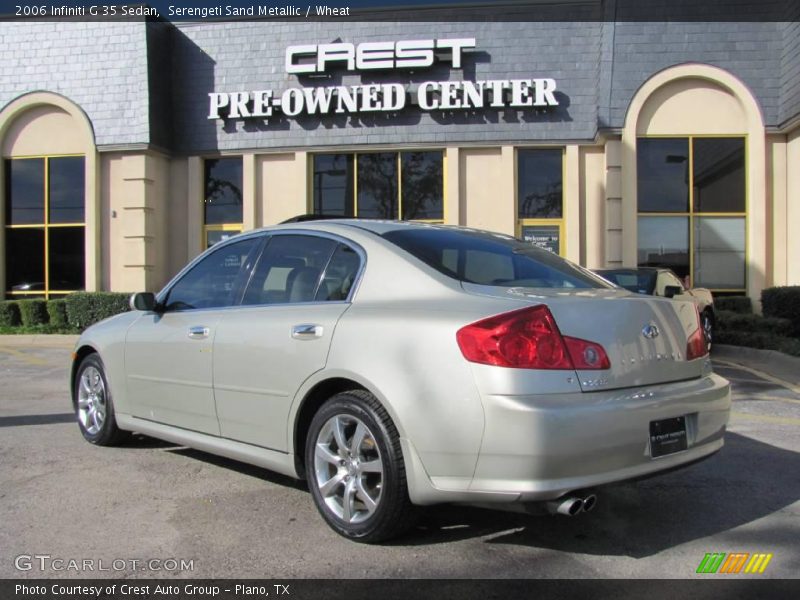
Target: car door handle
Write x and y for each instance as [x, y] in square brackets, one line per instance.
[198, 332]
[306, 331]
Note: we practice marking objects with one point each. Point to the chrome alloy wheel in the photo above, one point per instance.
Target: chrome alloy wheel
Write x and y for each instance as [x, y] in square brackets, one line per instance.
[92, 400]
[348, 468]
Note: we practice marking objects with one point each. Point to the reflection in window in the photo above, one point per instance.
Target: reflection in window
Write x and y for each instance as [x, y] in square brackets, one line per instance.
[44, 219]
[377, 185]
[694, 186]
[211, 282]
[422, 179]
[333, 185]
[662, 166]
[25, 260]
[540, 190]
[289, 270]
[66, 189]
[385, 181]
[65, 264]
[719, 244]
[718, 175]
[223, 199]
[664, 242]
[223, 185]
[25, 191]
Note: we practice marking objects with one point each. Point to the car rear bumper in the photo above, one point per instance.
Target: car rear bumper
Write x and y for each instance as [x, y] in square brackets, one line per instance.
[541, 447]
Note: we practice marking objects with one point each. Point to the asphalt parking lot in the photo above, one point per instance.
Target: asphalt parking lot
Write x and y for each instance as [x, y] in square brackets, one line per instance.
[64, 498]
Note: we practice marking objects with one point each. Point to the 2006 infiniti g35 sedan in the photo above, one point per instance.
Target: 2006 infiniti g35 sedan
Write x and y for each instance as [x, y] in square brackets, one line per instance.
[394, 364]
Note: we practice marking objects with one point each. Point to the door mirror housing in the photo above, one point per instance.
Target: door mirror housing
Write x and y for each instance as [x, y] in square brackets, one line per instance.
[145, 301]
[670, 291]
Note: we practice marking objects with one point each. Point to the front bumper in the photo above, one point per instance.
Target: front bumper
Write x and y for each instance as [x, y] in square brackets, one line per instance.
[540, 447]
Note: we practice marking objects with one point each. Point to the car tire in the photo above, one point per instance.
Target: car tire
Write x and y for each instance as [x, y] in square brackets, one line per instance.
[93, 405]
[707, 321]
[355, 469]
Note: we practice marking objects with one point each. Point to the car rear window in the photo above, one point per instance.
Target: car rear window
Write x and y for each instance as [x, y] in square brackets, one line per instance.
[491, 259]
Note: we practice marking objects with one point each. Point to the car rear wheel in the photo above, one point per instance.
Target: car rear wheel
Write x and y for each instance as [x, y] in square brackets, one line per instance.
[93, 405]
[355, 469]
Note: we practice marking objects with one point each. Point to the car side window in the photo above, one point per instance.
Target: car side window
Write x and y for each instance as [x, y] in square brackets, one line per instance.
[339, 275]
[211, 282]
[290, 270]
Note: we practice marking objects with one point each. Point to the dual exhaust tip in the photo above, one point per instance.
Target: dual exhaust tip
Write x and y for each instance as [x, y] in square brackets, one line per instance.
[572, 505]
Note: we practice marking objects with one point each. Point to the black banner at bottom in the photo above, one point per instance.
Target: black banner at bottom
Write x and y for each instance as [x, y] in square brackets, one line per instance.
[393, 589]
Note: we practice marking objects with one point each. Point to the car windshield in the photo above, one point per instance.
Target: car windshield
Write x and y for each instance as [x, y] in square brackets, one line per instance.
[640, 282]
[491, 259]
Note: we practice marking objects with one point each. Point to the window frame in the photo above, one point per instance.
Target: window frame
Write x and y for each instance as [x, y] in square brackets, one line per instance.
[243, 278]
[231, 227]
[546, 221]
[45, 226]
[692, 214]
[399, 167]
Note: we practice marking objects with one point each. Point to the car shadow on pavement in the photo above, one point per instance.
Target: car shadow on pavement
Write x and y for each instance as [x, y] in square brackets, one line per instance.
[746, 481]
[240, 467]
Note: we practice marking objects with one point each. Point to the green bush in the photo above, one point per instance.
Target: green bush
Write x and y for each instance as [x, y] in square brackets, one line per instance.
[783, 302]
[758, 339]
[87, 308]
[33, 312]
[737, 304]
[57, 309]
[9, 314]
[733, 321]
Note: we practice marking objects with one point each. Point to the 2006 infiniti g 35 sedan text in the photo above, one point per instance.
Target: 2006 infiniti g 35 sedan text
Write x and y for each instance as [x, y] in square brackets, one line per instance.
[395, 364]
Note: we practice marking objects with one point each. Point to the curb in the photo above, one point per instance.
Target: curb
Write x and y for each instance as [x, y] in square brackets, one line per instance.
[778, 365]
[49, 340]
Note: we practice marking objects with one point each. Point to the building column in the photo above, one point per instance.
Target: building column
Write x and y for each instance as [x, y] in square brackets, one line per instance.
[138, 223]
[452, 187]
[593, 200]
[792, 248]
[613, 202]
[194, 207]
[250, 219]
[572, 203]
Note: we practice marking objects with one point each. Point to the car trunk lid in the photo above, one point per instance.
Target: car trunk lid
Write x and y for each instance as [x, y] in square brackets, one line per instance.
[645, 337]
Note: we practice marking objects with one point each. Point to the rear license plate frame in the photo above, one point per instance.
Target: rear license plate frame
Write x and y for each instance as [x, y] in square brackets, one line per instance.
[668, 437]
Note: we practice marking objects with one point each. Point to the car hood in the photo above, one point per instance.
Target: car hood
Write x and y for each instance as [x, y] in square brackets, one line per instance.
[617, 320]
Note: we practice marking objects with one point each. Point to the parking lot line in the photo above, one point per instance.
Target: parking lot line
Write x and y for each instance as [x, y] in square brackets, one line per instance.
[789, 386]
[24, 357]
[768, 418]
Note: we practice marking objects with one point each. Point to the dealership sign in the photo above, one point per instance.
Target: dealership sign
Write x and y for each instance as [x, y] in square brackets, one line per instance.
[309, 59]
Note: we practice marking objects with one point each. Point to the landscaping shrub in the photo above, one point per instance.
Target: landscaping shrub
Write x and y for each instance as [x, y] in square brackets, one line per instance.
[759, 339]
[733, 321]
[9, 314]
[33, 312]
[87, 308]
[783, 302]
[737, 304]
[57, 309]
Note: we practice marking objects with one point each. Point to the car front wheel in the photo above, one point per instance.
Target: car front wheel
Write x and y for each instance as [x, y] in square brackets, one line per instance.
[355, 469]
[93, 405]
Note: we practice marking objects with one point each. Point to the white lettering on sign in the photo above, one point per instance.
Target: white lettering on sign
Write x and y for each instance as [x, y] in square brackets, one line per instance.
[386, 97]
[451, 95]
[406, 54]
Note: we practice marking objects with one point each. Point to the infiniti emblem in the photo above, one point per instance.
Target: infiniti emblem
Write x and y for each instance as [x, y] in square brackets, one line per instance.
[650, 331]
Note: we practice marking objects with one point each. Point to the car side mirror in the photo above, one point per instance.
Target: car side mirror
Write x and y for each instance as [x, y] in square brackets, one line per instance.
[670, 291]
[145, 301]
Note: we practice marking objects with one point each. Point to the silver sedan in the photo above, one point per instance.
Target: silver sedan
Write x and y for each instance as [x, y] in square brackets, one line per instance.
[395, 365]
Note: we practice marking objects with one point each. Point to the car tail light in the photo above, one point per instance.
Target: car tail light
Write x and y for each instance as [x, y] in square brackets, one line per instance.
[527, 339]
[697, 347]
